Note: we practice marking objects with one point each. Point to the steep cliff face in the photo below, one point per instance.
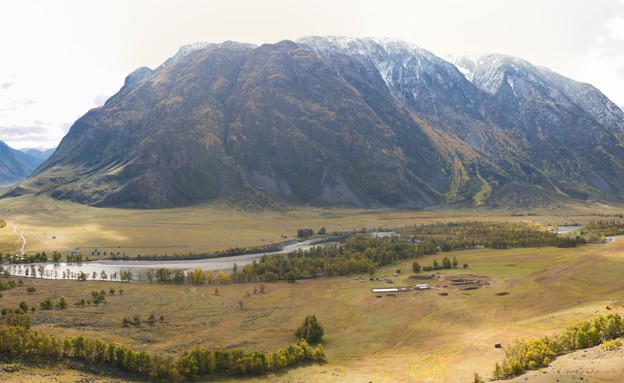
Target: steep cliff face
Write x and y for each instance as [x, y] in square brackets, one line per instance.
[339, 121]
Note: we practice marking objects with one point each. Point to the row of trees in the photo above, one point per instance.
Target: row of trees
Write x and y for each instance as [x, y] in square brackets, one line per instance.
[446, 264]
[603, 228]
[229, 252]
[524, 355]
[41, 257]
[196, 276]
[198, 362]
[501, 235]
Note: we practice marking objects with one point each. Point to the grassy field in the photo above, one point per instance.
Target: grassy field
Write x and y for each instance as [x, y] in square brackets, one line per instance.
[440, 335]
[50, 225]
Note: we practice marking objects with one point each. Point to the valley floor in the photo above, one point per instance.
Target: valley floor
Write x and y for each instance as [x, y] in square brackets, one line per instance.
[445, 334]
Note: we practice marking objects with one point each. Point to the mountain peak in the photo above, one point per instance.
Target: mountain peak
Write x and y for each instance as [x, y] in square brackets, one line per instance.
[339, 121]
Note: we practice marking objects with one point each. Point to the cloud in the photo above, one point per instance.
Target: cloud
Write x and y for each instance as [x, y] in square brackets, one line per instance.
[602, 63]
[29, 102]
[616, 28]
[19, 133]
[100, 99]
[37, 134]
[6, 85]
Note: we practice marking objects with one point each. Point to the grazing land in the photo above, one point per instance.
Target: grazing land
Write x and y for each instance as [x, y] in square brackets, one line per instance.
[444, 334]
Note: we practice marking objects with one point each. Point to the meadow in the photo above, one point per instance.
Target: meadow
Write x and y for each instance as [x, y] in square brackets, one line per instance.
[444, 334]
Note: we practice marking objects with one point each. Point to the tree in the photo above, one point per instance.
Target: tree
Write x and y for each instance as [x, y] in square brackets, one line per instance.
[305, 233]
[62, 303]
[46, 305]
[290, 276]
[311, 330]
[455, 263]
[224, 277]
[209, 275]
[319, 353]
[416, 267]
[446, 263]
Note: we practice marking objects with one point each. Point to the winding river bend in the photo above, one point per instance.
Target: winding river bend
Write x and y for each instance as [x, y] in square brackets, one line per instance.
[111, 268]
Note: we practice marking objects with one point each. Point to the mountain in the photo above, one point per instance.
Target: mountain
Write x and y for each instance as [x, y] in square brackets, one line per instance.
[339, 121]
[42, 154]
[15, 165]
[570, 131]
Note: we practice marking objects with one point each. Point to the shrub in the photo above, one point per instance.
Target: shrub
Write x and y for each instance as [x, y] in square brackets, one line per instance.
[612, 345]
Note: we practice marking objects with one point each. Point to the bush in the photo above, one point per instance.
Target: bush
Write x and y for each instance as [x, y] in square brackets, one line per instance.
[612, 345]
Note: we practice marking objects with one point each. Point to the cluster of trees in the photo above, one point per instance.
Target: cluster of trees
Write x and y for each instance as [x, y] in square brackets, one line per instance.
[603, 228]
[75, 257]
[305, 233]
[358, 254]
[136, 321]
[524, 355]
[8, 285]
[18, 339]
[48, 305]
[97, 298]
[498, 235]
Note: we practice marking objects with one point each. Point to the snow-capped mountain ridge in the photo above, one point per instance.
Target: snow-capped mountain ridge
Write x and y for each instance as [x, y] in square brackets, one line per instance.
[377, 121]
[492, 71]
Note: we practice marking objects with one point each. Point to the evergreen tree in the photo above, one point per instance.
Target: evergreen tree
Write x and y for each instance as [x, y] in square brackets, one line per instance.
[311, 330]
[416, 267]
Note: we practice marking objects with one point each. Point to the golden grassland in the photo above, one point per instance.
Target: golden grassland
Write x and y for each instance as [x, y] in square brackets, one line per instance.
[410, 337]
[50, 225]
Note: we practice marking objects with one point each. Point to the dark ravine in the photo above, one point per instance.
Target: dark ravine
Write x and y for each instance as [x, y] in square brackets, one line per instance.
[332, 121]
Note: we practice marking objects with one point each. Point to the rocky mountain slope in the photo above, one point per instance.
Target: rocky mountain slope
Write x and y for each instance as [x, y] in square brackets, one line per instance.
[339, 121]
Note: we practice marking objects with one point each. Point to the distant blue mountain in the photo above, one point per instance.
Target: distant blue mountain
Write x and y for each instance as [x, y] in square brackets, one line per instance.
[16, 165]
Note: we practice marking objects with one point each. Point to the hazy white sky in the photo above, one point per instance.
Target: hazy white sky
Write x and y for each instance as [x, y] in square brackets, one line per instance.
[61, 58]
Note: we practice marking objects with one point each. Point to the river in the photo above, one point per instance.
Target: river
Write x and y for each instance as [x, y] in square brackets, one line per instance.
[112, 268]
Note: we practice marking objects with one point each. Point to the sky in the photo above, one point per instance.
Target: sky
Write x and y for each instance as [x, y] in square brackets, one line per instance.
[60, 58]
